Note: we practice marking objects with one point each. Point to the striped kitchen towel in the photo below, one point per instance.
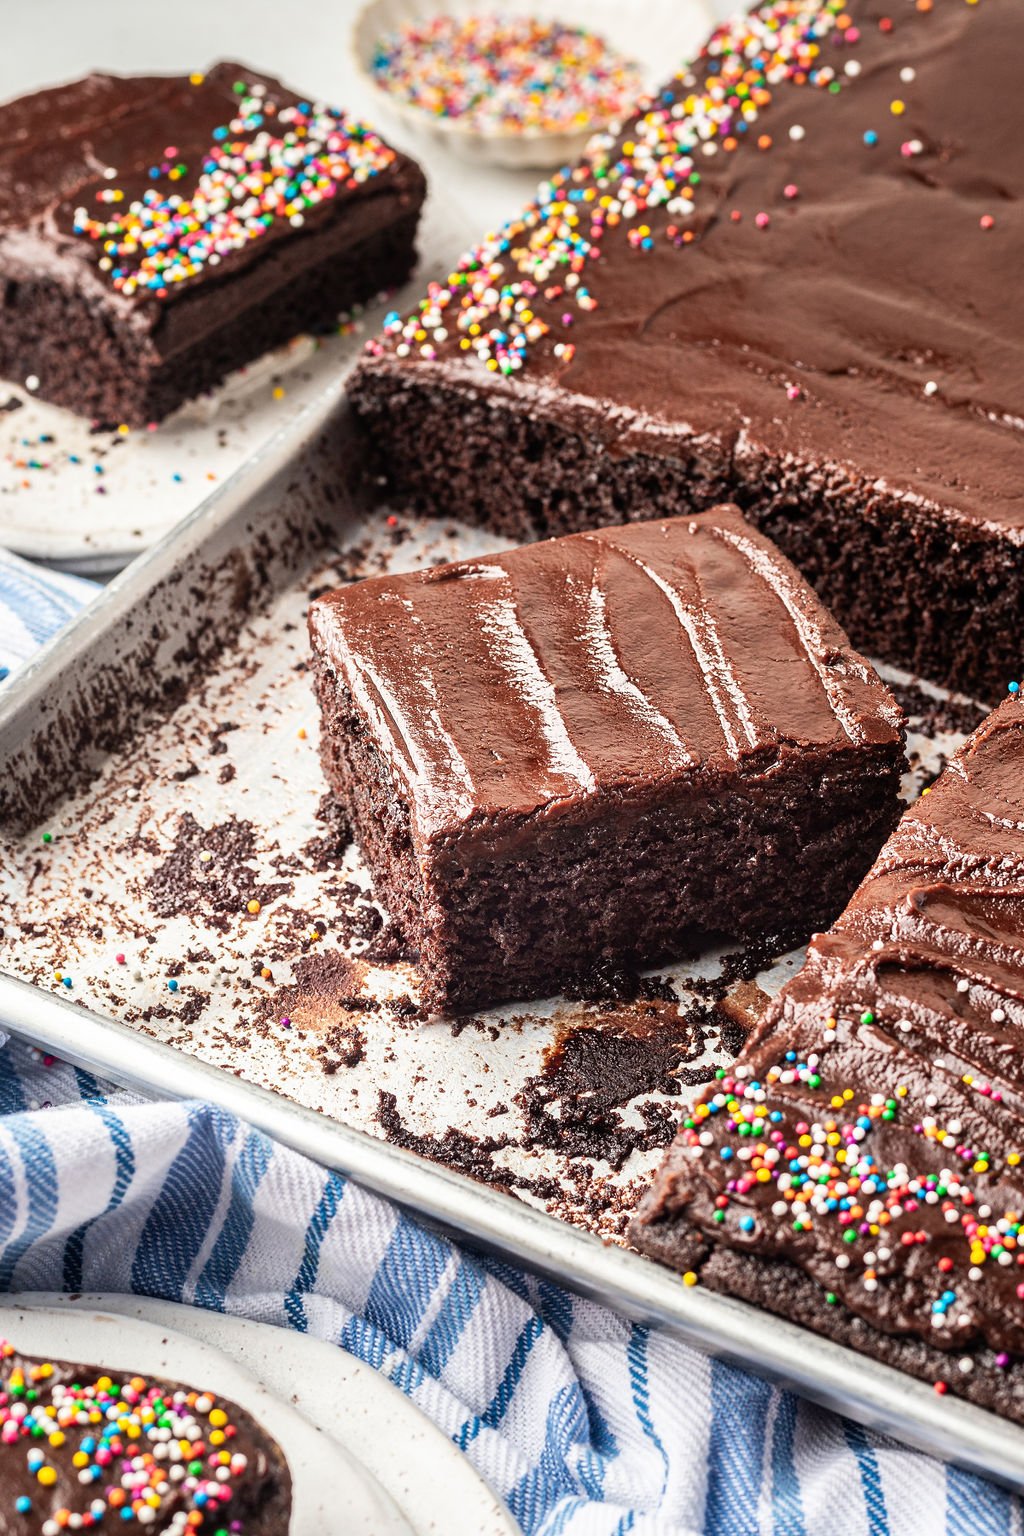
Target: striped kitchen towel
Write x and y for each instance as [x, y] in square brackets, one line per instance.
[34, 604]
[586, 1423]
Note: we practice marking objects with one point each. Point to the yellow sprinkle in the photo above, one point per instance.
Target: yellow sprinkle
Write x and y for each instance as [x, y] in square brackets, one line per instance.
[57, 1439]
[47, 1476]
[218, 1418]
[278, 392]
[196, 79]
[302, 733]
[253, 907]
[689, 1278]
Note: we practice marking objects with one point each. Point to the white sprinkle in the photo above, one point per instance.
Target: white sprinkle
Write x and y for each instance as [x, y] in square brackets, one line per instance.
[998, 1015]
[963, 985]
[966, 1364]
[796, 133]
[852, 68]
[931, 388]
[907, 74]
[32, 382]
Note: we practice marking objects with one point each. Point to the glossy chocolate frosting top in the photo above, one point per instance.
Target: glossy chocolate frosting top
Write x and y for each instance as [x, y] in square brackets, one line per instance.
[873, 1131]
[615, 661]
[83, 154]
[845, 289]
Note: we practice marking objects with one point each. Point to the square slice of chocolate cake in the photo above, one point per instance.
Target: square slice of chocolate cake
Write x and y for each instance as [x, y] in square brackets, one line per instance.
[861, 1168]
[157, 232]
[792, 282]
[607, 746]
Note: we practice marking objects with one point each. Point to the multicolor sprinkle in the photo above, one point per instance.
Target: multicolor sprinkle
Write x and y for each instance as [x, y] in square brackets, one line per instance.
[546, 250]
[268, 164]
[491, 300]
[823, 1170]
[144, 1449]
[507, 74]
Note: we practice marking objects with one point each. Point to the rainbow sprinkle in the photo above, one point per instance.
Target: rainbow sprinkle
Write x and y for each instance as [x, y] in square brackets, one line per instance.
[490, 301]
[822, 1170]
[268, 164]
[144, 1449]
[507, 74]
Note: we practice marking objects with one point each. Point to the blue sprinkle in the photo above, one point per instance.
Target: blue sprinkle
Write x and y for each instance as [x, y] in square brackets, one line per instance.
[747, 1224]
[67, 981]
[172, 985]
[871, 137]
[726, 1154]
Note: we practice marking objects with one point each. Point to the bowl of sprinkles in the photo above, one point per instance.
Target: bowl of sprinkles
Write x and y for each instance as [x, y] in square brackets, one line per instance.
[509, 88]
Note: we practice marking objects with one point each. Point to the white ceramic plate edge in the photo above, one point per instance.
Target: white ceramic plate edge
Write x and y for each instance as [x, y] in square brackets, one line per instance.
[433, 1485]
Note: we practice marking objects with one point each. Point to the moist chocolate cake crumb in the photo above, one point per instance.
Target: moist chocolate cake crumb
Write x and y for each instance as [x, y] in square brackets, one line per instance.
[215, 890]
[470, 1155]
[930, 715]
[343, 1046]
[609, 981]
[596, 1068]
[327, 851]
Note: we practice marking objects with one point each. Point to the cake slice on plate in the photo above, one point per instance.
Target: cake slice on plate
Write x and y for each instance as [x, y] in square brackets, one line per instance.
[859, 1169]
[158, 232]
[611, 746]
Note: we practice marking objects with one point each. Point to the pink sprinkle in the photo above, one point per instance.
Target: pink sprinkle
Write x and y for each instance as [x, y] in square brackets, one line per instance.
[791, 190]
[120, 959]
[986, 221]
[736, 216]
[762, 220]
[794, 392]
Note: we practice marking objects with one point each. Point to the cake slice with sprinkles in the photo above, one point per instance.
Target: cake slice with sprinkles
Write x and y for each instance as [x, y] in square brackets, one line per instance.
[860, 1169]
[156, 233]
[791, 281]
[602, 748]
[83, 1448]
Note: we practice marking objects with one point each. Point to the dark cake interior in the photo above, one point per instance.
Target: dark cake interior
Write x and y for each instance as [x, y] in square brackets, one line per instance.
[157, 232]
[608, 746]
[790, 282]
[859, 1169]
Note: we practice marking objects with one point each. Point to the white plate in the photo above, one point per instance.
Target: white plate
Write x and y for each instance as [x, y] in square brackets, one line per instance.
[659, 36]
[388, 1444]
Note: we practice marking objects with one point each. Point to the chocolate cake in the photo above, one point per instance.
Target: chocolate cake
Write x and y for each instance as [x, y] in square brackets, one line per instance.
[156, 232]
[791, 281]
[603, 747]
[80, 1450]
[859, 1170]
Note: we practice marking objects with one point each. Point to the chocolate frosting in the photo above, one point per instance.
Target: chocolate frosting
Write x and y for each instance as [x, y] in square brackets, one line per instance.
[532, 682]
[844, 292]
[70, 149]
[872, 1132]
[194, 1456]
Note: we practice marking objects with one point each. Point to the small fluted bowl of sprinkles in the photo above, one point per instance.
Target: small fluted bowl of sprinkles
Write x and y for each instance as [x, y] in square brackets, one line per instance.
[508, 88]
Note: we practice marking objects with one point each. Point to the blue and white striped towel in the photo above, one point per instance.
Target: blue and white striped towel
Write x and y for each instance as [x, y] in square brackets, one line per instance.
[586, 1423]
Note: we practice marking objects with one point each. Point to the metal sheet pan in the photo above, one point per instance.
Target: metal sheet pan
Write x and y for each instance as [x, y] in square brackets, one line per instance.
[166, 747]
